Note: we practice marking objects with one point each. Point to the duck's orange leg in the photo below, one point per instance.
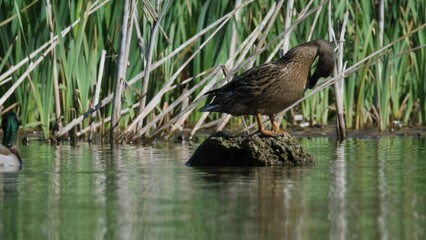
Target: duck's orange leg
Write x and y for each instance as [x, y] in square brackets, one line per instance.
[262, 130]
[275, 127]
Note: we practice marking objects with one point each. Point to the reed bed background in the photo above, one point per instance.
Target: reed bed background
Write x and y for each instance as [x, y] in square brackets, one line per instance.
[138, 69]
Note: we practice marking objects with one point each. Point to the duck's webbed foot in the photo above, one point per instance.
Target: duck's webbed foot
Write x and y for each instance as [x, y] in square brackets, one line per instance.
[282, 133]
[268, 133]
[276, 129]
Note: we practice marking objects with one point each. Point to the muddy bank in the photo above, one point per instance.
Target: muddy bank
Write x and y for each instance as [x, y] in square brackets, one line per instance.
[223, 150]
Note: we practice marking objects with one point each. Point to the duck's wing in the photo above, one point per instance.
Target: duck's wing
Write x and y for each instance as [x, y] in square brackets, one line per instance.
[250, 83]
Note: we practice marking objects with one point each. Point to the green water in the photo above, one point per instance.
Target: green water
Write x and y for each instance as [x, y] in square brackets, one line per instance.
[363, 189]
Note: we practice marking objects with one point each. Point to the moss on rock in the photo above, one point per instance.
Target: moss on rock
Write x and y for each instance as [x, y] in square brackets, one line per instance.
[223, 150]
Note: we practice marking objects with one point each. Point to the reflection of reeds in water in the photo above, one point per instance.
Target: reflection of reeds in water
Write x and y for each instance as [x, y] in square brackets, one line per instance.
[49, 69]
[337, 194]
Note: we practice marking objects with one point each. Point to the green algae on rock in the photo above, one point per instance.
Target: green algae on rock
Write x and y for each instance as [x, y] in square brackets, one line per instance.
[252, 151]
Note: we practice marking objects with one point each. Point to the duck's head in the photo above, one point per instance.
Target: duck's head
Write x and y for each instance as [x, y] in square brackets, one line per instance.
[10, 127]
[326, 61]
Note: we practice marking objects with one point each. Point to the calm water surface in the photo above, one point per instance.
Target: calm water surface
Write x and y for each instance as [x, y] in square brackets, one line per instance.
[362, 189]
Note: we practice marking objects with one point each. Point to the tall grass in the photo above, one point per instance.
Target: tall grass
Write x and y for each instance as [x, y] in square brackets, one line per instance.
[187, 44]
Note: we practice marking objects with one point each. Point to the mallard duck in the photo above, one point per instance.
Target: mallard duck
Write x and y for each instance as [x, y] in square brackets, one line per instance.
[271, 87]
[10, 160]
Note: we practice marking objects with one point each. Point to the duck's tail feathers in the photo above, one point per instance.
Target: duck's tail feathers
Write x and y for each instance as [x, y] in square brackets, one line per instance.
[210, 108]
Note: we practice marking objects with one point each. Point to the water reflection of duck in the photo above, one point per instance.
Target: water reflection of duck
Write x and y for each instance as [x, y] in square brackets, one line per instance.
[271, 87]
[10, 160]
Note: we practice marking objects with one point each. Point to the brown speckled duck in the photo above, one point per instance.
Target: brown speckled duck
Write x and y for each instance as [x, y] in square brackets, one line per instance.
[271, 87]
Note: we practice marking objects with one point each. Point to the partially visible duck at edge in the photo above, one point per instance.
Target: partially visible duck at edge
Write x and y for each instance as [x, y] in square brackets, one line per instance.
[269, 88]
[10, 160]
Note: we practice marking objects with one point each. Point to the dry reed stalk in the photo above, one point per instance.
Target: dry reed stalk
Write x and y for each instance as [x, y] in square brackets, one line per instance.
[141, 41]
[339, 84]
[314, 23]
[199, 124]
[9, 108]
[379, 73]
[287, 24]
[97, 91]
[286, 43]
[56, 92]
[5, 80]
[121, 71]
[152, 45]
[234, 33]
[223, 121]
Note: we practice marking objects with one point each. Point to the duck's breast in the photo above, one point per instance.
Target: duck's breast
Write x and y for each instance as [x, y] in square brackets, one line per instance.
[8, 161]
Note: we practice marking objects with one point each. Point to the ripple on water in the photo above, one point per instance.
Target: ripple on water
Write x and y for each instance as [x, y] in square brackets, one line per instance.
[365, 188]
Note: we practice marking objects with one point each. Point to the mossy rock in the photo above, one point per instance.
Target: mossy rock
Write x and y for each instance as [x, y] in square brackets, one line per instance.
[252, 151]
